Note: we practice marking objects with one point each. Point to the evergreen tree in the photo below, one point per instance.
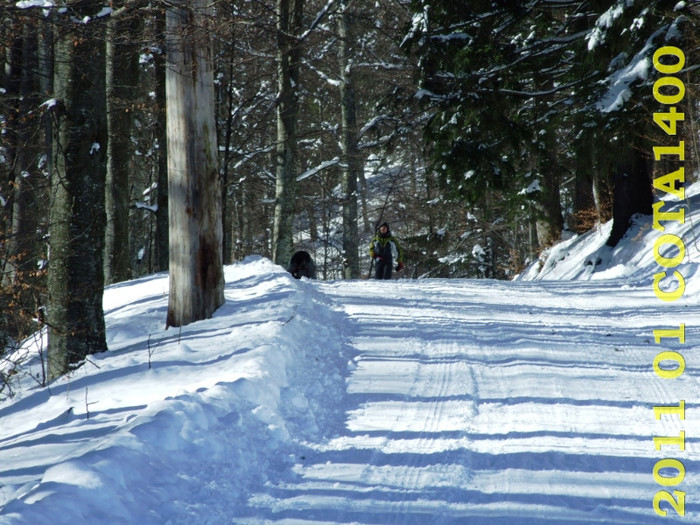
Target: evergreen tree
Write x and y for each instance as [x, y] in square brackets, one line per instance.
[490, 73]
[527, 96]
[620, 101]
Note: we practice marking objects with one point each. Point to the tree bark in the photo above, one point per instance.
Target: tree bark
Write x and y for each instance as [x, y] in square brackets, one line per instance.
[550, 222]
[350, 154]
[21, 154]
[586, 213]
[162, 243]
[550, 219]
[289, 13]
[196, 267]
[227, 102]
[632, 193]
[122, 80]
[77, 214]
[21, 246]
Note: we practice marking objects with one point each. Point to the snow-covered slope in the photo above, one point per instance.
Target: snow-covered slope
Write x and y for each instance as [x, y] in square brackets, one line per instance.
[587, 257]
[434, 401]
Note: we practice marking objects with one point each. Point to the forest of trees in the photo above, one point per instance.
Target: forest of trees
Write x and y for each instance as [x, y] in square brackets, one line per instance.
[140, 136]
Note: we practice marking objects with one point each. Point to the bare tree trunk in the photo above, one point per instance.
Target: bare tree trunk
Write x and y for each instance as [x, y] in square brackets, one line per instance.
[122, 79]
[22, 245]
[227, 102]
[289, 13]
[21, 62]
[632, 192]
[77, 214]
[196, 267]
[162, 244]
[550, 221]
[350, 155]
[586, 214]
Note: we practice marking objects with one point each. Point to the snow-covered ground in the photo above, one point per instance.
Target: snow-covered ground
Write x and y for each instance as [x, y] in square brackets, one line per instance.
[410, 401]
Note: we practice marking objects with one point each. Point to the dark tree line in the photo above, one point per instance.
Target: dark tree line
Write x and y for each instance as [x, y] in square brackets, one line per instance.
[551, 97]
[479, 130]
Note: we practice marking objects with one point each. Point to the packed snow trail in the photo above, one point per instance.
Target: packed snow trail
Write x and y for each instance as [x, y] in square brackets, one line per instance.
[487, 402]
[373, 403]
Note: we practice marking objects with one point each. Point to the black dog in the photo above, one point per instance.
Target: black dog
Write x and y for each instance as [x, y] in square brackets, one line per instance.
[302, 265]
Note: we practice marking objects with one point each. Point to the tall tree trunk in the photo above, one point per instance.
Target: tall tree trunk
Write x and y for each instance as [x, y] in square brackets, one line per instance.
[289, 14]
[586, 213]
[196, 267]
[350, 155]
[550, 220]
[21, 61]
[77, 214]
[227, 103]
[23, 245]
[162, 243]
[632, 192]
[122, 79]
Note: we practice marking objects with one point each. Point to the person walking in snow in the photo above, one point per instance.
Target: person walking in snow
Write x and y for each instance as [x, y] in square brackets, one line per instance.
[383, 249]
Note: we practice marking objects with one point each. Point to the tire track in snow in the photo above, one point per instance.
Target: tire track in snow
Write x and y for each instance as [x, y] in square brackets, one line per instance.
[484, 403]
[403, 396]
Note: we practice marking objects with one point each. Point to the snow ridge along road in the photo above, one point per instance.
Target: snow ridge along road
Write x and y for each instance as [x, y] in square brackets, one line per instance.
[489, 402]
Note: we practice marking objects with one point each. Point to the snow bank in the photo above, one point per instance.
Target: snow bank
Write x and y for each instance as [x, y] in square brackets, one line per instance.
[586, 257]
[175, 420]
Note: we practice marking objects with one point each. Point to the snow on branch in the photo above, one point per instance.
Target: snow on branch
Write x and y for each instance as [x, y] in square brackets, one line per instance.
[325, 11]
[621, 80]
[46, 5]
[246, 157]
[323, 76]
[29, 4]
[153, 208]
[604, 22]
[373, 122]
[313, 171]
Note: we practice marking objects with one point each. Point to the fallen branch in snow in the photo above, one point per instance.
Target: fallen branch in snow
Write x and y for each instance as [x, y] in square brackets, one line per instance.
[294, 314]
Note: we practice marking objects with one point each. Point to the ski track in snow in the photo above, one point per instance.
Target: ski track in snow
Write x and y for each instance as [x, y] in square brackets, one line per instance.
[491, 403]
[361, 402]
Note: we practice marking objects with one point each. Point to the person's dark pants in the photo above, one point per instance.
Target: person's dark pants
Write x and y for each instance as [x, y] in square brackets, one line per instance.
[383, 270]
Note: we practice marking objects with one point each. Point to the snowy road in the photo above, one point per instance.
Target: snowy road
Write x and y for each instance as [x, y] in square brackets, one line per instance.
[363, 402]
[500, 403]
